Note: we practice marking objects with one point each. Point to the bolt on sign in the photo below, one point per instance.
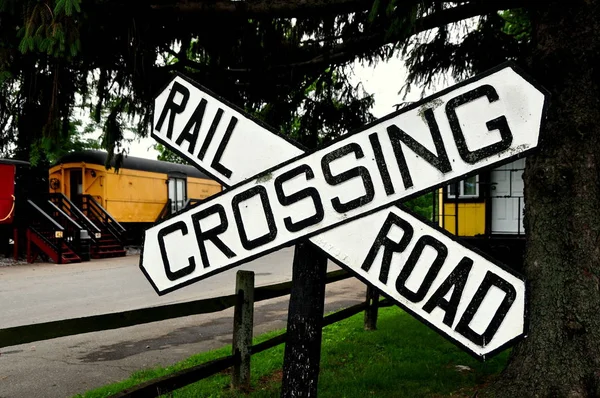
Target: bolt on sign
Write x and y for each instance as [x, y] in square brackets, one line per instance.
[340, 195]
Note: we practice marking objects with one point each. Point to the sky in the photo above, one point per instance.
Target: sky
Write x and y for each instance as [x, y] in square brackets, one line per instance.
[384, 81]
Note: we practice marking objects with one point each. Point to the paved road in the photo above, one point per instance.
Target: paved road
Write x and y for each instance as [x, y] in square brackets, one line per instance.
[66, 366]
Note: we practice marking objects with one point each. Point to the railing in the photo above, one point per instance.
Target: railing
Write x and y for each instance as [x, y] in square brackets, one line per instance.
[94, 211]
[167, 209]
[190, 202]
[63, 203]
[48, 230]
[165, 212]
[72, 229]
[153, 388]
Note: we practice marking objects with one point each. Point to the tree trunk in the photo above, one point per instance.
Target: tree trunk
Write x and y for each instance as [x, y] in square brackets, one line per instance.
[561, 355]
[30, 117]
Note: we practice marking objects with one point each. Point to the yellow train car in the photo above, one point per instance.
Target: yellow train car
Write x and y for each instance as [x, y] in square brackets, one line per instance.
[136, 195]
[487, 211]
[462, 209]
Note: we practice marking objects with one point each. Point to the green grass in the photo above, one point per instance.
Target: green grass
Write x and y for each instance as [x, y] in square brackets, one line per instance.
[403, 358]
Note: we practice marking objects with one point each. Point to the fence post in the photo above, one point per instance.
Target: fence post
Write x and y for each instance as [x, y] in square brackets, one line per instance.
[372, 308]
[243, 321]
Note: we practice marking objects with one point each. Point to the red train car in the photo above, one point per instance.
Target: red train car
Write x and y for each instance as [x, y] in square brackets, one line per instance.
[18, 182]
[7, 191]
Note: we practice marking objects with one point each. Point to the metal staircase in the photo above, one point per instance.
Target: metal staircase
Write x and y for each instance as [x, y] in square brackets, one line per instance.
[46, 237]
[94, 234]
[111, 238]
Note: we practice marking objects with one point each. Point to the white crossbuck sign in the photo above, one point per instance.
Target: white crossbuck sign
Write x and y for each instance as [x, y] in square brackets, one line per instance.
[340, 195]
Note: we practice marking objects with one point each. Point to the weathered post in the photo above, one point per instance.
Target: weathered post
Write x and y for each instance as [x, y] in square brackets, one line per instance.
[243, 318]
[305, 317]
[372, 308]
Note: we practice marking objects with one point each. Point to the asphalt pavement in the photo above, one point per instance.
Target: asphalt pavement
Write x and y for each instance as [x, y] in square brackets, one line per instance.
[34, 293]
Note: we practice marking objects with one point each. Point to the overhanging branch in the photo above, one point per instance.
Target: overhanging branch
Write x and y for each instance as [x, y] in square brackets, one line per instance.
[350, 49]
[268, 8]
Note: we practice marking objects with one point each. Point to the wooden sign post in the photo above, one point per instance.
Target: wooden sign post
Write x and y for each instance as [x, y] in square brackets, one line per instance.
[302, 355]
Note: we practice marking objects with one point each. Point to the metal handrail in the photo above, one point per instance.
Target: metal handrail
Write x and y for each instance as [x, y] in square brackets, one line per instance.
[65, 215]
[190, 202]
[46, 216]
[78, 213]
[108, 222]
[72, 232]
[44, 238]
[164, 212]
[103, 211]
[55, 242]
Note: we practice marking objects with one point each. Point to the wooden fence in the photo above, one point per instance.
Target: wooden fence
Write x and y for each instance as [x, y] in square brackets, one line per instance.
[243, 303]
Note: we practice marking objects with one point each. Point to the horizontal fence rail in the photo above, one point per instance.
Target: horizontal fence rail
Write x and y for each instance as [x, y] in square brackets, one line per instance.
[96, 323]
[168, 383]
[182, 378]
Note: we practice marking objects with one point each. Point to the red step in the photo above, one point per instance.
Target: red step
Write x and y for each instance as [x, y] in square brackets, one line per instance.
[109, 254]
[107, 247]
[67, 255]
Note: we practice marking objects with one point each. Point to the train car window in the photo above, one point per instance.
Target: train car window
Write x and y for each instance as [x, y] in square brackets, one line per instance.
[177, 193]
[467, 188]
[180, 187]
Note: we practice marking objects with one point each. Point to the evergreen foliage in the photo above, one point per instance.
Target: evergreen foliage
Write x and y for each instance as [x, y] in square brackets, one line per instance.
[286, 62]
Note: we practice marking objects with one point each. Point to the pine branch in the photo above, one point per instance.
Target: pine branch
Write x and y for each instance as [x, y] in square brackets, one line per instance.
[291, 8]
[353, 48]
[257, 8]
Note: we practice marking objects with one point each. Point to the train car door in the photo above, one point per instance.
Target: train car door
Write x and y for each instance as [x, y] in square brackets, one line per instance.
[507, 198]
[177, 191]
[76, 187]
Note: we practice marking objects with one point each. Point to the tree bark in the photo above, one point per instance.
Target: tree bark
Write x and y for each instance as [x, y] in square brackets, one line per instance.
[31, 120]
[561, 355]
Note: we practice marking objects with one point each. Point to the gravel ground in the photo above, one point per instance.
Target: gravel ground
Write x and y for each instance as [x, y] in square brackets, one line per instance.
[133, 250]
[9, 261]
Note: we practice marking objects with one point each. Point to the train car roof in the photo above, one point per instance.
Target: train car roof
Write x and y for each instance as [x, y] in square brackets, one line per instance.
[131, 162]
[15, 162]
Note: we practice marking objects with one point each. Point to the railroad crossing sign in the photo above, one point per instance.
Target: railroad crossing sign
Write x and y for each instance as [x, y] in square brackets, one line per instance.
[337, 194]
